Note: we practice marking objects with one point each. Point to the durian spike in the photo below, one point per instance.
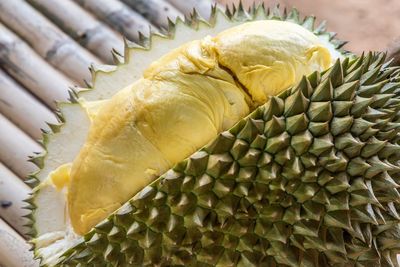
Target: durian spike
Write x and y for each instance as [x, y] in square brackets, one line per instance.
[156, 11]
[35, 74]
[46, 39]
[117, 57]
[16, 147]
[119, 16]
[14, 250]
[232, 6]
[22, 108]
[82, 27]
[13, 192]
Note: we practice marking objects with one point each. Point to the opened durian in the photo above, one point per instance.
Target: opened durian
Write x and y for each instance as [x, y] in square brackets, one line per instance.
[160, 163]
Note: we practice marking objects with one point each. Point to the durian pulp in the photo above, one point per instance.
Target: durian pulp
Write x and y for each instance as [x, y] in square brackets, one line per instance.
[181, 103]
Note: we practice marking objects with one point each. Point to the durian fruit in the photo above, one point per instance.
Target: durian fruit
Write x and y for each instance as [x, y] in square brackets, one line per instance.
[49, 224]
[310, 178]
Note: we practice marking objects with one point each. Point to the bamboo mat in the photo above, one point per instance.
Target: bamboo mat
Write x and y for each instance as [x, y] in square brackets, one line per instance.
[47, 46]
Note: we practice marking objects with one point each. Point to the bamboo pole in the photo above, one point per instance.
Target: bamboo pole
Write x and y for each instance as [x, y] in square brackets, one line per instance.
[14, 250]
[203, 7]
[119, 16]
[156, 11]
[12, 194]
[82, 26]
[29, 69]
[50, 42]
[22, 108]
[16, 147]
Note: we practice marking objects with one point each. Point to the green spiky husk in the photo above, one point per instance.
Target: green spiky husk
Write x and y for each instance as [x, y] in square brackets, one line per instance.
[310, 178]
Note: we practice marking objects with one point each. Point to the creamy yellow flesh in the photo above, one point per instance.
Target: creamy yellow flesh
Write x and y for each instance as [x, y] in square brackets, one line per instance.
[182, 102]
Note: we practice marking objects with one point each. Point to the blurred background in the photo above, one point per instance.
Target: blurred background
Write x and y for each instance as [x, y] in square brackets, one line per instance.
[46, 46]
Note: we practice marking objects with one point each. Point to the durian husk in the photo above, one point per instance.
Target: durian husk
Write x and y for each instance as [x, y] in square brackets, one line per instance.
[107, 80]
[310, 178]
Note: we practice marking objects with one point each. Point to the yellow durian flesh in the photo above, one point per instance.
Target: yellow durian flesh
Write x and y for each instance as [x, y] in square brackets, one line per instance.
[182, 102]
[269, 56]
[60, 176]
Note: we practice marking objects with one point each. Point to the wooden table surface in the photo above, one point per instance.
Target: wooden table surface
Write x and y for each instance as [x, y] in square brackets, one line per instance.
[35, 70]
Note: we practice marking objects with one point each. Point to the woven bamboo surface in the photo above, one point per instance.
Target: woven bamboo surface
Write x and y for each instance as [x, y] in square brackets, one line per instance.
[46, 46]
